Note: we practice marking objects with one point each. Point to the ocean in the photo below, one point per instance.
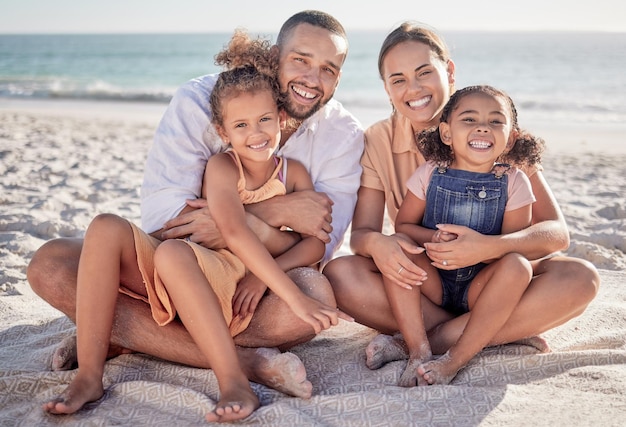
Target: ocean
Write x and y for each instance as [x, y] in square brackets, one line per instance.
[552, 77]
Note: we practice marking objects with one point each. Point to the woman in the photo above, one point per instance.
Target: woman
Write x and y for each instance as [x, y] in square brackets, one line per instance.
[418, 76]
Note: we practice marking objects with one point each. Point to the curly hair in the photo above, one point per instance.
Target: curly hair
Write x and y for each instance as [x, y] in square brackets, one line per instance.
[526, 151]
[250, 66]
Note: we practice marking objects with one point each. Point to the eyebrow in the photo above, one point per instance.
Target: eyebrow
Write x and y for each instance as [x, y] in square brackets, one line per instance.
[500, 113]
[331, 64]
[415, 70]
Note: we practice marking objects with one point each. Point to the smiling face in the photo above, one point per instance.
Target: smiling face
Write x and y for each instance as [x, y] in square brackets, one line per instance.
[417, 82]
[309, 69]
[478, 130]
[251, 124]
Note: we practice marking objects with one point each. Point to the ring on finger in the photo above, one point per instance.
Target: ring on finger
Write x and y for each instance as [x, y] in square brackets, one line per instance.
[444, 262]
[400, 271]
[188, 239]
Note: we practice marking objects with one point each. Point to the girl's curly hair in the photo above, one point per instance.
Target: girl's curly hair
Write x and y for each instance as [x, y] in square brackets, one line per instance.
[526, 151]
[250, 66]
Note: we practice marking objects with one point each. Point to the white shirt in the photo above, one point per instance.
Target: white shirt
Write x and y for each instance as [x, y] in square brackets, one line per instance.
[329, 144]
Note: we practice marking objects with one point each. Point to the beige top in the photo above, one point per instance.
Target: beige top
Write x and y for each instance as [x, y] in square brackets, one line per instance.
[390, 158]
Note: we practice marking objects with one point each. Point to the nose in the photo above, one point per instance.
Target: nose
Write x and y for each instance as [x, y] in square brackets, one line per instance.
[415, 84]
[313, 77]
[482, 127]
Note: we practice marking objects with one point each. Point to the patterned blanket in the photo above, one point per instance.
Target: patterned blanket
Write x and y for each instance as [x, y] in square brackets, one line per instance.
[581, 382]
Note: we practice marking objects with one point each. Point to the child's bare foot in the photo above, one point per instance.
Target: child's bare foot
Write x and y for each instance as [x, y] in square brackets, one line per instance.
[536, 341]
[65, 357]
[384, 349]
[83, 389]
[283, 372]
[439, 371]
[233, 405]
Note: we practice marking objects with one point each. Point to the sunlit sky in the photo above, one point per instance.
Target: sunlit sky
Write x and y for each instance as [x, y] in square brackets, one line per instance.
[141, 16]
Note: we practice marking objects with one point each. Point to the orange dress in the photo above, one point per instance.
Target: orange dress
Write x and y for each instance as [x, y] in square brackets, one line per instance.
[221, 267]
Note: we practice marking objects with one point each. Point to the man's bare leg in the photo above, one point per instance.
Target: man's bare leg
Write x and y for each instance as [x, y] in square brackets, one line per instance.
[52, 276]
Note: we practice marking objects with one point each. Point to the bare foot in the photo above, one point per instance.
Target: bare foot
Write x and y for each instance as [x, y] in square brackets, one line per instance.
[536, 341]
[384, 349]
[283, 372]
[65, 357]
[83, 389]
[410, 377]
[236, 403]
[439, 371]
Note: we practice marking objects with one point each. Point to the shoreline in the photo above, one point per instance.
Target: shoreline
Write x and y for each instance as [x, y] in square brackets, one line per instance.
[569, 137]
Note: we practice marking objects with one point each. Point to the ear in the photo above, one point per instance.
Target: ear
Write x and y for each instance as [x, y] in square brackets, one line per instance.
[444, 133]
[510, 143]
[222, 134]
[282, 117]
[451, 70]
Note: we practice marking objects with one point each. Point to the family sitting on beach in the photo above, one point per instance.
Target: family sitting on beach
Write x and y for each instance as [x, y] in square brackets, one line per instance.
[253, 178]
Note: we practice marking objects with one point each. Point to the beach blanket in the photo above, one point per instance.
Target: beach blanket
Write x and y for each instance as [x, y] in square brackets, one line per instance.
[582, 381]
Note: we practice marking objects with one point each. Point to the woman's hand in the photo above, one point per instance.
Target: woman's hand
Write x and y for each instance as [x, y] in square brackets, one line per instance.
[390, 257]
[469, 247]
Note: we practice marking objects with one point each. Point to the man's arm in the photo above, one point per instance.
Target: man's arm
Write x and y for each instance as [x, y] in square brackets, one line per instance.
[183, 142]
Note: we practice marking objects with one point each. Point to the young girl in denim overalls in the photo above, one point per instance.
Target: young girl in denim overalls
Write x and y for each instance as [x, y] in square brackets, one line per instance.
[467, 181]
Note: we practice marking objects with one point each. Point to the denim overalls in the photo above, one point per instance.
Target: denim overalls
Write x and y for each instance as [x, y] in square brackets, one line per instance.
[475, 200]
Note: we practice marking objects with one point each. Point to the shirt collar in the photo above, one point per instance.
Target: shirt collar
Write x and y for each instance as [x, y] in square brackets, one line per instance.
[403, 138]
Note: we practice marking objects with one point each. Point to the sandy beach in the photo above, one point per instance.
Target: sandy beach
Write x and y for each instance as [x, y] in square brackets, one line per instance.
[64, 162]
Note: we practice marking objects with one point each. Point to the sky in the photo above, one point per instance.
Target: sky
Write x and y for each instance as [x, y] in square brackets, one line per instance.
[201, 16]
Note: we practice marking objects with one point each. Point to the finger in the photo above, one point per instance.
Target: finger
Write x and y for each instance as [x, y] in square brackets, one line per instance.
[323, 236]
[254, 304]
[409, 247]
[177, 232]
[197, 203]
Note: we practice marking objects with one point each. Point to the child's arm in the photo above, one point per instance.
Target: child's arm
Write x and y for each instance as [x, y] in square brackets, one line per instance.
[410, 217]
[229, 215]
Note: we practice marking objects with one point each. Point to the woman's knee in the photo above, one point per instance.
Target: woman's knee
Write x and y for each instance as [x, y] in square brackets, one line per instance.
[578, 278]
[517, 266]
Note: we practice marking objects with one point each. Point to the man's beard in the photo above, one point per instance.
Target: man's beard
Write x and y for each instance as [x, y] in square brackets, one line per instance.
[299, 111]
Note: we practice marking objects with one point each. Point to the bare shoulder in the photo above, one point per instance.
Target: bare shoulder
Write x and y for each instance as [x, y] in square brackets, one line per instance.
[298, 177]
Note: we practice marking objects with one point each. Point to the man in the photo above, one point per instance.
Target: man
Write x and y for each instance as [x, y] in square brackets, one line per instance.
[312, 47]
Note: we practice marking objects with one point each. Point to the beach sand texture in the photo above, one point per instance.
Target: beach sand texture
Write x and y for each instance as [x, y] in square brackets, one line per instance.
[60, 168]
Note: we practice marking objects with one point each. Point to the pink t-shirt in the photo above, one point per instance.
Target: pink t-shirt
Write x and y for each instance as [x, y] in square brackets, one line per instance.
[520, 192]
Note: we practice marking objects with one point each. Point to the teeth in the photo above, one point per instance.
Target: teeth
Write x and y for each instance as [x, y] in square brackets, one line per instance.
[480, 144]
[261, 145]
[303, 93]
[419, 102]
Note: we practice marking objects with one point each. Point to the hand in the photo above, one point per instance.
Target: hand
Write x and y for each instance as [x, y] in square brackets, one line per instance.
[441, 236]
[248, 294]
[468, 248]
[196, 224]
[318, 315]
[309, 213]
[391, 259]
